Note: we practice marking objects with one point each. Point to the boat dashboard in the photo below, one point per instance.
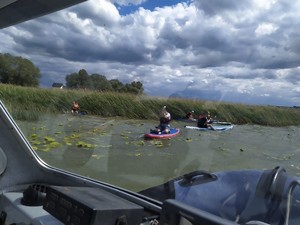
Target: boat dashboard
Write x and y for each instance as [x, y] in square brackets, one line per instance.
[40, 204]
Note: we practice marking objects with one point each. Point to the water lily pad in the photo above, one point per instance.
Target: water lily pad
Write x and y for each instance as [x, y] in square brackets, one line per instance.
[34, 135]
[75, 136]
[82, 144]
[49, 139]
[159, 144]
[54, 144]
[139, 143]
[36, 142]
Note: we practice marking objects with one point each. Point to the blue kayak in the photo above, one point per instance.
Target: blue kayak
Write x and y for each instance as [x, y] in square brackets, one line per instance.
[214, 122]
[217, 127]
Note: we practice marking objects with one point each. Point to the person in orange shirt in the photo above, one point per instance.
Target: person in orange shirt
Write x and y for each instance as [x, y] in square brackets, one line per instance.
[75, 107]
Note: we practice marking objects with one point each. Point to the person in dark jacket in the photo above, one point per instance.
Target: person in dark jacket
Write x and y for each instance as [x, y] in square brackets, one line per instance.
[203, 121]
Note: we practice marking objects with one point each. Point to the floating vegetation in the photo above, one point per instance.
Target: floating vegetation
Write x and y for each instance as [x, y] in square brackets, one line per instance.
[188, 139]
[54, 144]
[45, 149]
[124, 136]
[49, 139]
[42, 128]
[73, 136]
[36, 142]
[82, 144]
[33, 136]
[140, 143]
[159, 143]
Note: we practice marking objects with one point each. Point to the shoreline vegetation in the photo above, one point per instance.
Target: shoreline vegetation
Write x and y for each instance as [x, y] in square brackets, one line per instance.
[29, 103]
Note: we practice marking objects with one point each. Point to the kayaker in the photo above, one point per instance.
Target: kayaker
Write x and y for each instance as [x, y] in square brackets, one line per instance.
[164, 122]
[190, 115]
[203, 121]
[75, 107]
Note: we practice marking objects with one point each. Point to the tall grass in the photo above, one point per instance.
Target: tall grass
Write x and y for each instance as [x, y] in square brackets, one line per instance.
[30, 103]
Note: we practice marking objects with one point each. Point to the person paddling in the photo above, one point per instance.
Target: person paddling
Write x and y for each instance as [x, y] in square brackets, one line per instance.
[75, 107]
[164, 122]
[203, 121]
[190, 116]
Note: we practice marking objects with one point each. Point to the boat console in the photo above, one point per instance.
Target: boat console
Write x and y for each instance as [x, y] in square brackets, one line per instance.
[55, 205]
[43, 205]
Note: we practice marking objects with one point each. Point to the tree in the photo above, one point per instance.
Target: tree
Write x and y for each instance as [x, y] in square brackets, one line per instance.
[138, 86]
[18, 71]
[116, 85]
[72, 80]
[99, 82]
[83, 78]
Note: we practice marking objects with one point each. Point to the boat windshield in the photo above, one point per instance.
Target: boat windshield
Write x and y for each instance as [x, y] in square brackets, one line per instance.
[167, 99]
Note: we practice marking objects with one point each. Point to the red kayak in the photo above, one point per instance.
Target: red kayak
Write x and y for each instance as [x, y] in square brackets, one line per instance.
[173, 132]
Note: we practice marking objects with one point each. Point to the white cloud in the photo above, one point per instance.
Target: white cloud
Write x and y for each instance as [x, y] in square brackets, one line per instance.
[265, 29]
[264, 4]
[128, 2]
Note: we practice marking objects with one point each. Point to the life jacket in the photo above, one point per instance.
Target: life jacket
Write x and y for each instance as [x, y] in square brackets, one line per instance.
[75, 106]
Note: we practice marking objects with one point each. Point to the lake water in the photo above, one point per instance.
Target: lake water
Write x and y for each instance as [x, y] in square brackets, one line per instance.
[114, 150]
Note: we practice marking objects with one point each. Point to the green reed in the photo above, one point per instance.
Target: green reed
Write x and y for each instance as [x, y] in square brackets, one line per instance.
[28, 103]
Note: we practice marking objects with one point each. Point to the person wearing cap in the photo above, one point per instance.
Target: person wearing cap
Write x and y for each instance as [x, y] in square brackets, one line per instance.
[203, 121]
[164, 122]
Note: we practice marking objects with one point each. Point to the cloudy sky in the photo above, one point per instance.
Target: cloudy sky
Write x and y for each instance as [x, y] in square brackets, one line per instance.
[225, 50]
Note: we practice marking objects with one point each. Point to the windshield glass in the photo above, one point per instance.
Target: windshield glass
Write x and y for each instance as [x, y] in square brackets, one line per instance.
[138, 93]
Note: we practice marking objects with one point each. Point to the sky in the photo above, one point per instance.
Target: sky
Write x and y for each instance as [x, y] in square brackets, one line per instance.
[222, 50]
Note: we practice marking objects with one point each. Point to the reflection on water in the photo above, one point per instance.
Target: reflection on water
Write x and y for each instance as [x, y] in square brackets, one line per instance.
[114, 150]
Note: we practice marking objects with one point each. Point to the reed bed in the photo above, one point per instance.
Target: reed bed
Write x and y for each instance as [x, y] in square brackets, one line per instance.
[27, 103]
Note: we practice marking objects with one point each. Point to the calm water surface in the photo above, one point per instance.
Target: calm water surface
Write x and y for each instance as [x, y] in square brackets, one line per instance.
[114, 150]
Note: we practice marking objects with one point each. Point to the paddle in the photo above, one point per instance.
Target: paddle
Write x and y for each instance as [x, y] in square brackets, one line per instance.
[211, 126]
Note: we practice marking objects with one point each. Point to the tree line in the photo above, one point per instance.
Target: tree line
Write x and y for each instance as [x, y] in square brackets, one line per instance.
[99, 82]
[18, 71]
[22, 72]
